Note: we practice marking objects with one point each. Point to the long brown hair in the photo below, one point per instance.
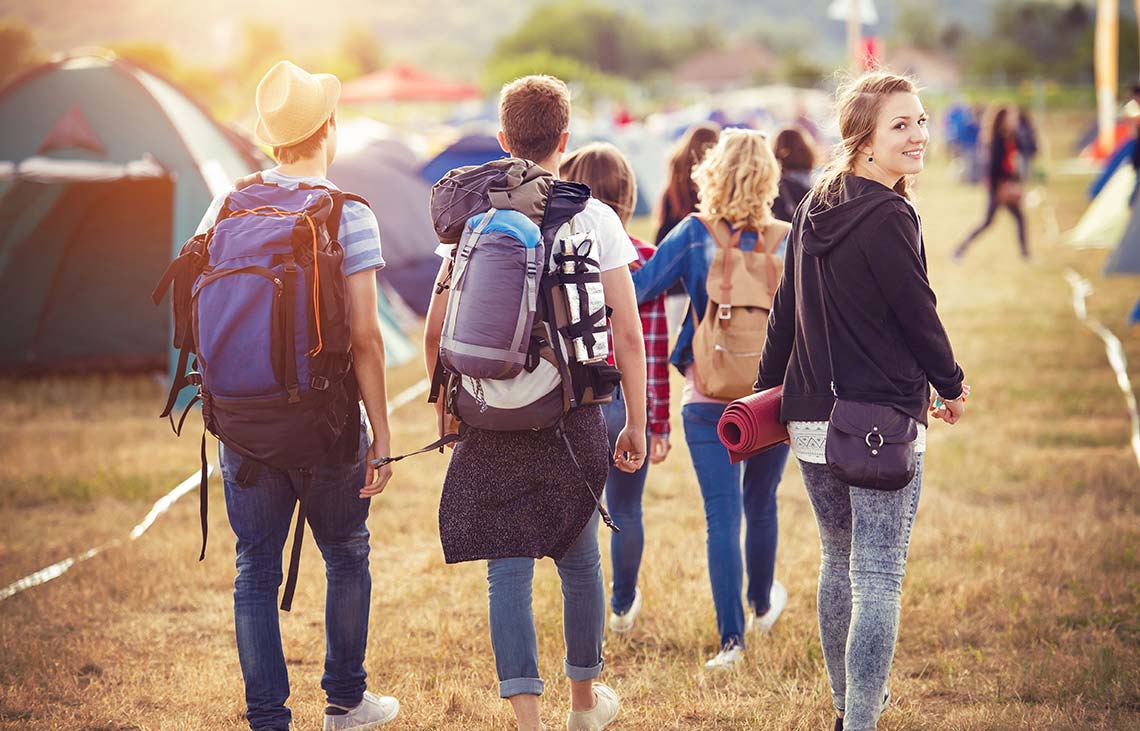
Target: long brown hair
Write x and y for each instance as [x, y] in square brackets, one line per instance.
[994, 121]
[793, 151]
[680, 195]
[601, 166]
[859, 102]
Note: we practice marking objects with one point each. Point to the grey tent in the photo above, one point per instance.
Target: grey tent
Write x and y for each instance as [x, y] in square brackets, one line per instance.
[386, 172]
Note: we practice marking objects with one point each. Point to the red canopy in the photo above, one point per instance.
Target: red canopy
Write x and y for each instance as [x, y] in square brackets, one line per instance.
[403, 83]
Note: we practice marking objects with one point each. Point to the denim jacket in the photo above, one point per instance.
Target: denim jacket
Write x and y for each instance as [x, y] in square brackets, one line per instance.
[685, 255]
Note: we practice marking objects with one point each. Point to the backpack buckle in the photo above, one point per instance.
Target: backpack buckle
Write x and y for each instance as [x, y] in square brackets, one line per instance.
[319, 383]
[194, 378]
[724, 312]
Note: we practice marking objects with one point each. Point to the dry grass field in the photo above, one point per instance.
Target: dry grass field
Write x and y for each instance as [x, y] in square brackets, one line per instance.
[1021, 608]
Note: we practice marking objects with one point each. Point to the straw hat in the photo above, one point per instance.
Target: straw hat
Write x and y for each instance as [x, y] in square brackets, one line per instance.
[292, 103]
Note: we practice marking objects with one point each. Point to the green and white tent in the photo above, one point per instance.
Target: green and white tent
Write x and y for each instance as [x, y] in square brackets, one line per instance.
[105, 170]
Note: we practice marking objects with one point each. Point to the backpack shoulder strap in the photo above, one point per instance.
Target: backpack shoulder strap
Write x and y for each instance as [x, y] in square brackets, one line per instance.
[338, 199]
[711, 227]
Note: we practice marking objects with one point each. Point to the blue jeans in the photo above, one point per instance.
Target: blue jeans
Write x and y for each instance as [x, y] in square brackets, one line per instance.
[864, 539]
[728, 491]
[513, 637]
[623, 500]
[260, 515]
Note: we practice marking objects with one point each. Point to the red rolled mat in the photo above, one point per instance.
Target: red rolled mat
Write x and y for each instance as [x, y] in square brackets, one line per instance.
[751, 424]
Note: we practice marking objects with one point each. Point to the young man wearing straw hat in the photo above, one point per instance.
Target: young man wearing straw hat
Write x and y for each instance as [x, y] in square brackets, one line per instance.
[297, 117]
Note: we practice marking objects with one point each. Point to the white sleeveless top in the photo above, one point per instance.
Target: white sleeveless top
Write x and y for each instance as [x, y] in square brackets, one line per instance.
[809, 437]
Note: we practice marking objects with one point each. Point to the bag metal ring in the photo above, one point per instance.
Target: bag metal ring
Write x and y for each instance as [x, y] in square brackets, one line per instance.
[867, 439]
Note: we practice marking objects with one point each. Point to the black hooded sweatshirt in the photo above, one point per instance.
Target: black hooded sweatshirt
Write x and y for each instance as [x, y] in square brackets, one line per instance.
[864, 255]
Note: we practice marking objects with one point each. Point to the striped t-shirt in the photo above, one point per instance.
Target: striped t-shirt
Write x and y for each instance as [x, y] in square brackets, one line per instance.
[359, 233]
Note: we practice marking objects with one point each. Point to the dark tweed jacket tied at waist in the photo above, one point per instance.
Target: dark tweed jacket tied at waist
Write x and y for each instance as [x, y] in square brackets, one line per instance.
[519, 494]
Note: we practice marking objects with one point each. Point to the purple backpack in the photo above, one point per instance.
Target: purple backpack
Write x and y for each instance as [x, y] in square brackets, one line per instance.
[260, 301]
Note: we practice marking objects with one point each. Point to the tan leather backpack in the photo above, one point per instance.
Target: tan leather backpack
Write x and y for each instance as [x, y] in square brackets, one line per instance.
[730, 337]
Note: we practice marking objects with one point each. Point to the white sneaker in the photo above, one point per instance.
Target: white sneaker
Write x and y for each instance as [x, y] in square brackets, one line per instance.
[373, 711]
[730, 656]
[622, 623]
[605, 710]
[777, 600]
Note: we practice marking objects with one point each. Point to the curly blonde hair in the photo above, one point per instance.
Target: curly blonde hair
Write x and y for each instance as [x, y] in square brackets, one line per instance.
[738, 180]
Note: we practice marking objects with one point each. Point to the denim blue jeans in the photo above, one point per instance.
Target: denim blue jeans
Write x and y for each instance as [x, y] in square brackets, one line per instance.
[864, 540]
[623, 500]
[728, 491]
[260, 515]
[513, 637]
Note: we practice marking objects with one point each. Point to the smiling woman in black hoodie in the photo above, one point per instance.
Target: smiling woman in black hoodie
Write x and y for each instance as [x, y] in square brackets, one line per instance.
[855, 277]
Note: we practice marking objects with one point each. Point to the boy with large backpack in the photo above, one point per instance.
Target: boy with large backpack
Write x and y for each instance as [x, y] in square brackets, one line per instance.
[516, 343]
[276, 299]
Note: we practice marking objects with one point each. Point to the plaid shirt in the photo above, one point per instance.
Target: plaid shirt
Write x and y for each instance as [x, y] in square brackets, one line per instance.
[656, 331]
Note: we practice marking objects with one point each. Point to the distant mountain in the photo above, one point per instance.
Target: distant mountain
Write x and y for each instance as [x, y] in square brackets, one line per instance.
[444, 34]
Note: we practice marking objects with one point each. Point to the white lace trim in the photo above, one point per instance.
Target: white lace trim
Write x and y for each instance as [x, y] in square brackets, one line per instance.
[809, 438]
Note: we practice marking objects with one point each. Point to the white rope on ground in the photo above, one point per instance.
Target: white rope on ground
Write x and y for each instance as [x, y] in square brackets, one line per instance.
[1082, 288]
[52, 572]
[163, 504]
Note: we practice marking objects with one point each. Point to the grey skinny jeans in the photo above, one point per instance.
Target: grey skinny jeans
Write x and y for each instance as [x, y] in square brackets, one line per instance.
[864, 539]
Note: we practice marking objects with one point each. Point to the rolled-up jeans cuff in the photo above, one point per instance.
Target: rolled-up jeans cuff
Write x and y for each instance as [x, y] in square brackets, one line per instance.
[520, 686]
[577, 673]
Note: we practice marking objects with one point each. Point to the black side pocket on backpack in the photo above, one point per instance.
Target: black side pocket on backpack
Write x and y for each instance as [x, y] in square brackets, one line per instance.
[277, 339]
[604, 378]
[334, 304]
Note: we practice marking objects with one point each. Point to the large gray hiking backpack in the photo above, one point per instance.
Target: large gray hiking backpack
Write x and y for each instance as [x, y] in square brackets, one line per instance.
[524, 337]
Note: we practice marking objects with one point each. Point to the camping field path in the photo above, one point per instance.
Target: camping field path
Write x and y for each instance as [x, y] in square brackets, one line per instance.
[1021, 607]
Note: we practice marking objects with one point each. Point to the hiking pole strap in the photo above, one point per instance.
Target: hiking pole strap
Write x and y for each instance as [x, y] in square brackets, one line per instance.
[204, 496]
[180, 382]
[438, 381]
[437, 444]
[597, 500]
[185, 413]
[298, 537]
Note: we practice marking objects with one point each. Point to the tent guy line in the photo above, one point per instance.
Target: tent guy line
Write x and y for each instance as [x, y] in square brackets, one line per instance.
[1082, 288]
[163, 504]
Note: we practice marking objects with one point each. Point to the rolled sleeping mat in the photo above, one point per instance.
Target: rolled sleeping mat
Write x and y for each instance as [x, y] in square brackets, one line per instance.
[751, 424]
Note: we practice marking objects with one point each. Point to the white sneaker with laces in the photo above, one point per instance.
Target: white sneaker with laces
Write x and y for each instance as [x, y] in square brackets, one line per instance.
[777, 600]
[622, 623]
[605, 710]
[373, 711]
[729, 656]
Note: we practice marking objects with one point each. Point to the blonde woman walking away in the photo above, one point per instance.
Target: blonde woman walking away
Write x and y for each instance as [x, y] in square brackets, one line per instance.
[736, 184]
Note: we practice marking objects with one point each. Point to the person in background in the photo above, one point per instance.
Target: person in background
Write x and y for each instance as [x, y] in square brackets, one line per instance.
[1027, 145]
[611, 179]
[797, 160]
[1003, 177]
[736, 183]
[855, 316]
[679, 198]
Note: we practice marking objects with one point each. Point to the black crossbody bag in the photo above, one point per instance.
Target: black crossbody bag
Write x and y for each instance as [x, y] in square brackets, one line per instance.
[868, 445]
